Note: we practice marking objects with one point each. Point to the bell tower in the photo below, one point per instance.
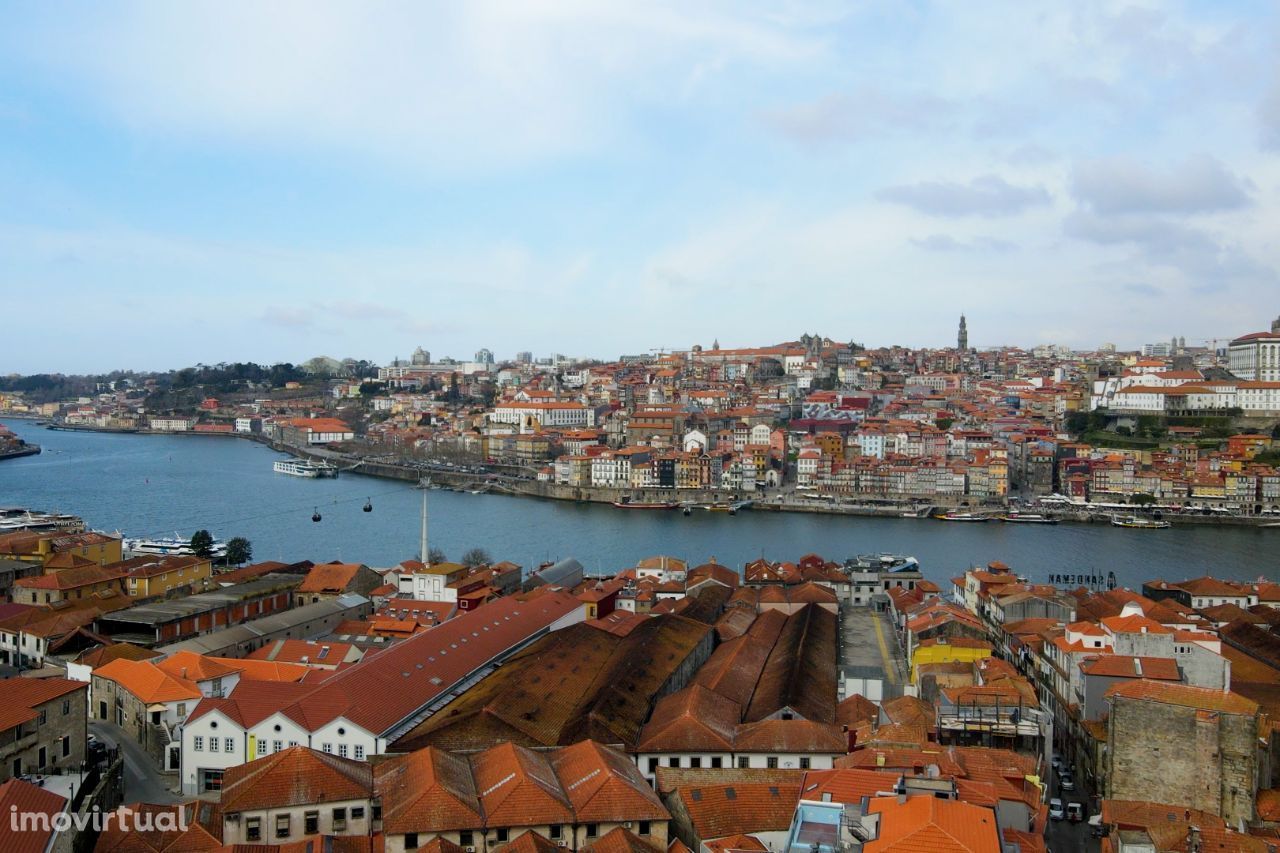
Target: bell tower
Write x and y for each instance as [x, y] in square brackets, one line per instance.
[962, 338]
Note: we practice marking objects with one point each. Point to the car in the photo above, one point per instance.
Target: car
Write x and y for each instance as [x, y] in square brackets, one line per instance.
[1066, 783]
[1057, 761]
[1075, 812]
[1056, 811]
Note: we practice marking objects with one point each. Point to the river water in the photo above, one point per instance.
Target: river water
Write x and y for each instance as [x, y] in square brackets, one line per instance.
[162, 485]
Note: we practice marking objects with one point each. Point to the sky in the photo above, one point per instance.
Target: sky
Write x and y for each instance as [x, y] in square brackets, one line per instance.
[224, 181]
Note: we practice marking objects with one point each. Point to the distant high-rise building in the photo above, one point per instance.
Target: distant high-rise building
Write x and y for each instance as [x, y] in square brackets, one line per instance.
[421, 357]
[524, 357]
[962, 339]
[484, 356]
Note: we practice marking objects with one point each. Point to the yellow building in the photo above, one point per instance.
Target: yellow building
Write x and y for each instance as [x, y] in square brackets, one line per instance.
[154, 577]
[948, 650]
[41, 547]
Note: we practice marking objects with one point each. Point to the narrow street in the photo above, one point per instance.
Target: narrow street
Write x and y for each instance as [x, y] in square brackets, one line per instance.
[143, 781]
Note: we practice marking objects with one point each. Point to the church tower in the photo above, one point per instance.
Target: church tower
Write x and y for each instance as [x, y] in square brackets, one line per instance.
[962, 339]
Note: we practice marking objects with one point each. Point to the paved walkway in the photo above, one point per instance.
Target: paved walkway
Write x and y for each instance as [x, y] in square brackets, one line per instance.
[869, 649]
[143, 781]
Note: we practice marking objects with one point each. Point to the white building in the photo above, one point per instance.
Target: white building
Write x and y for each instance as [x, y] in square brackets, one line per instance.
[1256, 357]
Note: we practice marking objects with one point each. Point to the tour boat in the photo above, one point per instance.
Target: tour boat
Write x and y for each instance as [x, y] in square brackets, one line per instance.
[626, 503]
[1015, 517]
[174, 547]
[1134, 521]
[306, 468]
[956, 515]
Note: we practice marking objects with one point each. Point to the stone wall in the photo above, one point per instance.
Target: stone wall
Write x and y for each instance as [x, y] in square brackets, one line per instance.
[1167, 753]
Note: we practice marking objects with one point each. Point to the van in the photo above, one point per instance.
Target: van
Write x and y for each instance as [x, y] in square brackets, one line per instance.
[1075, 812]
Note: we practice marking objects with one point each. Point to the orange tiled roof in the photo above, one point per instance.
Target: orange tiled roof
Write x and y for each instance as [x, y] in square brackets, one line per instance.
[293, 777]
[938, 826]
[1204, 698]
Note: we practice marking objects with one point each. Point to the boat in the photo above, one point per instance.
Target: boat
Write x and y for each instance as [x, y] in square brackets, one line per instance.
[1137, 523]
[1015, 517]
[305, 468]
[957, 515]
[173, 547]
[13, 519]
[883, 563]
[625, 502]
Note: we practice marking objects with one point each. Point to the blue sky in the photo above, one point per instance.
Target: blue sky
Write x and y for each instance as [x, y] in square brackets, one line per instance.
[184, 182]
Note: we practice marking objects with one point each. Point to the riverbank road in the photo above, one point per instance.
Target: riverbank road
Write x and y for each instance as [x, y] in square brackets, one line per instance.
[871, 662]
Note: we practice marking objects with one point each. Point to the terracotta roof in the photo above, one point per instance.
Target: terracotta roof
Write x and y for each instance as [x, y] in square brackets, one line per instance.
[846, 785]
[17, 796]
[719, 809]
[856, 709]
[196, 667]
[529, 842]
[329, 578]
[202, 819]
[1203, 698]
[790, 736]
[694, 719]
[1124, 666]
[621, 840]
[427, 791]
[937, 826]
[71, 578]
[95, 658]
[294, 777]
[603, 784]
[518, 787]
[148, 682]
[19, 697]
[800, 672]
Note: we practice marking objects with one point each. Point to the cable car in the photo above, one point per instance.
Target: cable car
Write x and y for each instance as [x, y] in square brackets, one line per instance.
[368, 505]
[315, 516]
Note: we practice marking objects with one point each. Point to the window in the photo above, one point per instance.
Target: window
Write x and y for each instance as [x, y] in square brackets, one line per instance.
[182, 709]
[228, 745]
[411, 841]
[653, 765]
[804, 762]
[557, 832]
[197, 743]
[327, 747]
[342, 750]
[467, 838]
[502, 835]
[214, 743]
[293, 743]
[695, 762]
[716, 762]
[377, 811]
[644, 827]
[66, 707]
[742, 761]
[673, 761]
[277, 745]
[253, 829]
[311, 822]
[357, 812]
[66, 745]
[592, 830]
[772, 762]
[359, 752]
[339, 819]
[44, 716]
[282, 826]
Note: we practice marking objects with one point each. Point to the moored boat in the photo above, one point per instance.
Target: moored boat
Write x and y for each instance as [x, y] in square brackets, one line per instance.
[169, 547]
[305, 468]
[957, 515]
[626, 503]
[1136, 523]
[1015, 517]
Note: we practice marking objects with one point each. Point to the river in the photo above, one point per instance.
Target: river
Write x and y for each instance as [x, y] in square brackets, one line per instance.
[161, 485]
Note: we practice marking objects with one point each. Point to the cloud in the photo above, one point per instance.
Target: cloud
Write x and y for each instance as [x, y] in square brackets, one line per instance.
[289, 317]
[947, 243]
[1269, 118]
[1118, 185]
[856, 116]
[986, 195]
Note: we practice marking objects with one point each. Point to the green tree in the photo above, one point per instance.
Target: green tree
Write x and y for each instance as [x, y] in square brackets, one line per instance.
[476, 557]
[202, 543]
[1142, 499]
[239, 551]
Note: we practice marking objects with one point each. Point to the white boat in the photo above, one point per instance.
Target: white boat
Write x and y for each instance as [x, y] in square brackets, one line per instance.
[1015, 517]
[1134, 521]
[956, 515]
[305, 468]
[14, 519]
[174, 547]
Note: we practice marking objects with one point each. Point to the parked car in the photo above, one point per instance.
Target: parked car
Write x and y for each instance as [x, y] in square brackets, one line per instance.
[1057, 761]
[1075, 812]
[1066, 783]
[1056, 811]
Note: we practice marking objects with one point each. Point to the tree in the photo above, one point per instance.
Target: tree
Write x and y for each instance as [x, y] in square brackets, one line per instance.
[239, 551]
[476, 557]
[202, 543]
[1142, 499]
[436, 556]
